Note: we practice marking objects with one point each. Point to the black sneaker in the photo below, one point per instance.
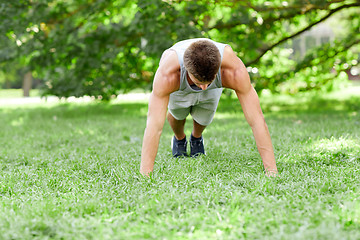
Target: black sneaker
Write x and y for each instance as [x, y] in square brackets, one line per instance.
[179, 147]
[196, 146]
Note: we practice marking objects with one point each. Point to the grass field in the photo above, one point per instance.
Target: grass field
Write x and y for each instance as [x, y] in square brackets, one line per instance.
[70, 171]
[17, 93]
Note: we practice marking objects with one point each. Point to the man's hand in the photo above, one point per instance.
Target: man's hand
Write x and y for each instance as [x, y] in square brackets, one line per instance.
[271, 173]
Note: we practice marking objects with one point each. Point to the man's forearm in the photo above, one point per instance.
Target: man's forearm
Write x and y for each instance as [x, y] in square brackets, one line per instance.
[154, 125]
[264, 145]
[149, 150]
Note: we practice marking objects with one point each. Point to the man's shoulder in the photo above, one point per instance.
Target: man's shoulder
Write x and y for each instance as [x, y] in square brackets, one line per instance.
[230, 61]
[169, 59]
[228, 57]
[233, 71]
[167, 78]
[169, 65]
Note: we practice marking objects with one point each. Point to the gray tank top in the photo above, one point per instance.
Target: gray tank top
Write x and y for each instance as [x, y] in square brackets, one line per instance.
[180, 48]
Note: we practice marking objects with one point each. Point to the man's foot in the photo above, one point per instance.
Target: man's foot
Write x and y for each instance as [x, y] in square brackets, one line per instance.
[179, 147]
[196, 146]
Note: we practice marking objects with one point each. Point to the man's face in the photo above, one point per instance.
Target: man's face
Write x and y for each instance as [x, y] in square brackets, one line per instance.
[202, 85]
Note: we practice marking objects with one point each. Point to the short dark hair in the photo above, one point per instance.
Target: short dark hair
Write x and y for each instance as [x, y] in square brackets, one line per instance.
[202, 59]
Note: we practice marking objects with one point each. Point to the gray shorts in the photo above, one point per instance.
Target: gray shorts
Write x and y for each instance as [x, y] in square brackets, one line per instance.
[201, 105]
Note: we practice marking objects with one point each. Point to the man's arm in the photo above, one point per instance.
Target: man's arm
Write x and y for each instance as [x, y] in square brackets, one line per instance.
[154, 125]
[236, 77]
[254, 116]
[166, 81]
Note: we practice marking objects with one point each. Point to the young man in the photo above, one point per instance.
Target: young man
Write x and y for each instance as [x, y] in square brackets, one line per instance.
[190, 79]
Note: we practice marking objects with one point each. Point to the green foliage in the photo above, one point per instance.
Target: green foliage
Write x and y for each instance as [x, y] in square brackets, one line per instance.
[103, 47]
[11, 75]
[71, 171]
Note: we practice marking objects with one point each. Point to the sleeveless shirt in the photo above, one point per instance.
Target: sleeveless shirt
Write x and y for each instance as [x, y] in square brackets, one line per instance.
[180, 48]
[186, 93]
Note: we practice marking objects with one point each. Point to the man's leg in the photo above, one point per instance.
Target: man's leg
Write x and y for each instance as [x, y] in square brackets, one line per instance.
[178, 143]
[197, 129]
[196, 140]
[177, 126]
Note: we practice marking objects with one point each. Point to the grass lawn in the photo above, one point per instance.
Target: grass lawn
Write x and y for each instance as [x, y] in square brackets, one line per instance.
[70, 171]
[17, 93]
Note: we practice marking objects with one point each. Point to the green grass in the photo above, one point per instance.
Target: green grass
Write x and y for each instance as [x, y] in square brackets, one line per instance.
[70, 171]
[17, 93]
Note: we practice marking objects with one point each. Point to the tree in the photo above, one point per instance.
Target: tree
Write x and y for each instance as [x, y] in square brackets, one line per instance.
[103, 47]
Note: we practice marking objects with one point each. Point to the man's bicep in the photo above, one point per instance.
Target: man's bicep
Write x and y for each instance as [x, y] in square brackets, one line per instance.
[165, 82]
[157, 109]
[250, 105]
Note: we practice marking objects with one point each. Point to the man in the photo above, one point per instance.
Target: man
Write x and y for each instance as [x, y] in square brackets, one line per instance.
[189, 80]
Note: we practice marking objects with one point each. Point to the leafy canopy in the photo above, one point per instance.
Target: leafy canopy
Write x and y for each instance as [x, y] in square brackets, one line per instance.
[102, 47]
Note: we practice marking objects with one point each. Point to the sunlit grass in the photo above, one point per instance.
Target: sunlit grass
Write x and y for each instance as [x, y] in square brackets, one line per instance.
[70, 171]
[17, 93]
[335, 145]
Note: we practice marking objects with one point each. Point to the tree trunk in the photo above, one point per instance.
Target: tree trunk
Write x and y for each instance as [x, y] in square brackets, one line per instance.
[7, 84]
[27, 84]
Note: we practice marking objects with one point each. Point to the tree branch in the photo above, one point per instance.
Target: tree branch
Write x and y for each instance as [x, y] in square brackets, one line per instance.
[297, 9]
[304, 8]
[301, 31]
[346, 45]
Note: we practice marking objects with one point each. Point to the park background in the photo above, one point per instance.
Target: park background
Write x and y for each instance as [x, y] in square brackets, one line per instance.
[70, 152]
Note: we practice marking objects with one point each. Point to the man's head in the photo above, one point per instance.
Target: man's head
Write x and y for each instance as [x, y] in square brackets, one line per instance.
[202, 60]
